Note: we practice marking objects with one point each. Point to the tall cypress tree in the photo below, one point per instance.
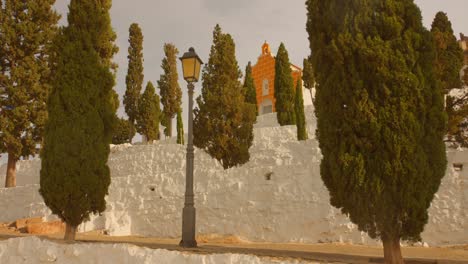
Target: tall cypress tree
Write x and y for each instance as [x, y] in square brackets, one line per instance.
[448, 63]
[249, 87]
[223, 124]
[284, 88]
[308, 76]
[180, 128]
[135, 76]
[300, 115]
[171, 95]
[27, 28]
[149, 113]
[81, 107]
[449, 55]
[380, 115]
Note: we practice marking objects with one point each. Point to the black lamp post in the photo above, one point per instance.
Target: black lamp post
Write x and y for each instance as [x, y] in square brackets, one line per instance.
[191, 65]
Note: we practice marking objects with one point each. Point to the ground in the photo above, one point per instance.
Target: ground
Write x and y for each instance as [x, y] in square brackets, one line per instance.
[325, 252]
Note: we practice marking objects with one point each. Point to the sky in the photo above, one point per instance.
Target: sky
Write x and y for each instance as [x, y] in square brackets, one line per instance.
[189, 23]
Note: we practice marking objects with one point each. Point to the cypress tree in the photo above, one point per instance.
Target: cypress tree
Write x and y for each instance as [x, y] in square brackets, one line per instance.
[180, 128]
[449, 55]
[449, 61]
[380, 115]
[249, 87]
[300, 115]
[223, 123]
[27, 28]
[123, 131]
[135, 76]
[165, 124]
[308, 76]
[284, 88]
[81, 107]
[171, 95]
[149, 113]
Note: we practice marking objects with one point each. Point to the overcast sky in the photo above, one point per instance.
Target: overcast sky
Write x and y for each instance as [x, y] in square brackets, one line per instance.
[190, 23]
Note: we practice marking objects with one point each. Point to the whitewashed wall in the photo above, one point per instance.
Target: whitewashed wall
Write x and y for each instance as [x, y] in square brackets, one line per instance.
[33, 250]
[146, 193]
[3, 158]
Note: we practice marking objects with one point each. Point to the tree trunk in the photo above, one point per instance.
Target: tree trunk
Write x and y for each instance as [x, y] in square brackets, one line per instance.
[10, 180]
[169, 126]
[392, 251]
[70, 232]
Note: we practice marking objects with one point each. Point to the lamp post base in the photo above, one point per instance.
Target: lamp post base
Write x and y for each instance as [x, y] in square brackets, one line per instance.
[188, 244]
[188, 228]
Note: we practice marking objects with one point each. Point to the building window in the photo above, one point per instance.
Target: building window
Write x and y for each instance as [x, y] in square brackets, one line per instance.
[266, 87]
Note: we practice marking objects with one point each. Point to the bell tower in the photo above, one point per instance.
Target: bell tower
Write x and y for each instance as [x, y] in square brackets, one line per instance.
[266, 49]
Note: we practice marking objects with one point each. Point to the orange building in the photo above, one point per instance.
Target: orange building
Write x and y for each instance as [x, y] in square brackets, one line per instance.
[263, 74]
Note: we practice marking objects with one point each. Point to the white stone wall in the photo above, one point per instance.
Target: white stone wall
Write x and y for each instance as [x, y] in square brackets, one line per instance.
[33, 250]
[22, 202]
[3, 158]
[307, 96]
[146, 193]
[27, 172]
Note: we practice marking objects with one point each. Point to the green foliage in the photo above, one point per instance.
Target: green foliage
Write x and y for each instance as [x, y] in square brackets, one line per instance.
[171, 95]
[284, 89]
[27, 28]
[74, 173]
[449, 55]
[134, 79]
[380, 113]
[149, 114]
[249, 87]
[103, 39]
[308, 76]
[457, 111]
[223, 124]
[164, 123]
[180, 128]
[124, 131]
[300, 115]
[449, 61]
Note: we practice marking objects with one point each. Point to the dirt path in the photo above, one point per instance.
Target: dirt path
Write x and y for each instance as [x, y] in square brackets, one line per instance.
[342, 253]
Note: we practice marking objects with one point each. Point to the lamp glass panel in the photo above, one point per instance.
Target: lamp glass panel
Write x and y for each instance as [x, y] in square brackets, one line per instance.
[197, 70]
[188, 67]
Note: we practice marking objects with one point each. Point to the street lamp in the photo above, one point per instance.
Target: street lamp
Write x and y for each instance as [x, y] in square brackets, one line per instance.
[191, 65]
